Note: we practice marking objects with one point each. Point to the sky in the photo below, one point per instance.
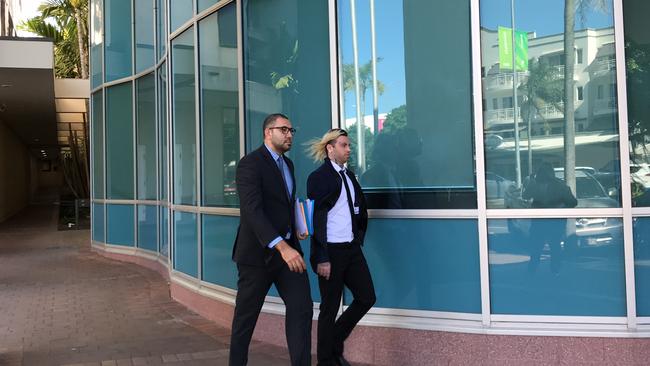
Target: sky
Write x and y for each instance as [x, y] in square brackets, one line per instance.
[27, 9]
[545, 17]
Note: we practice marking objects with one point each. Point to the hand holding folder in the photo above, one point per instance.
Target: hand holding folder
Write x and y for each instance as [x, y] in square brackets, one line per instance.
[304, 216]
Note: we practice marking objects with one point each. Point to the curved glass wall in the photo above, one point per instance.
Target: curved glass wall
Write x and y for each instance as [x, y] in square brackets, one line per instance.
[219, 106]
[404, 72]
[180, 12]
[146, 137]
[161, 28]
[96, 43]
[119, 142]
[117, 39]
[144, 35]
[183, 118]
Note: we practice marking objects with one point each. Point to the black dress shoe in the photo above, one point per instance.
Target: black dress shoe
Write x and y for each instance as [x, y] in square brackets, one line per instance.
[343, 361]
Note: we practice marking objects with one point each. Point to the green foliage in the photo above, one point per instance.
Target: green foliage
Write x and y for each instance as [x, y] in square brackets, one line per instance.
[352, 135]
[59, 21]
[395, 120]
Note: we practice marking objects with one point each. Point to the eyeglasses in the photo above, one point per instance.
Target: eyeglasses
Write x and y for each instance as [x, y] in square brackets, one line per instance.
[284, 129]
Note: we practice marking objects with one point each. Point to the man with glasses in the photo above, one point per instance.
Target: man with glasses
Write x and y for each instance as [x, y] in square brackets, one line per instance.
[267, 248]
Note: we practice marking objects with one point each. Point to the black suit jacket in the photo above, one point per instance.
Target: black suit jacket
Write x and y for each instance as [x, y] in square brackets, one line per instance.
[324, 186]
[266, 211]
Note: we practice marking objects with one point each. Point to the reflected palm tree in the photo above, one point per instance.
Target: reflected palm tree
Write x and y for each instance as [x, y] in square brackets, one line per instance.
[571, 8]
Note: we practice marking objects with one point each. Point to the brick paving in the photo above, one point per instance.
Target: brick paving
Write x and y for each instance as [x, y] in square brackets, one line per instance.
[62, 304]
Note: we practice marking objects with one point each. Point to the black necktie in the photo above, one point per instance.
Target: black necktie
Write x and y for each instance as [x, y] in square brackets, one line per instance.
[350, 204]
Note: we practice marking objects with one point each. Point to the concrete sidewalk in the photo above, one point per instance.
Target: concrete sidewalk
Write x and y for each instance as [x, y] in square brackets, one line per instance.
[62, 304]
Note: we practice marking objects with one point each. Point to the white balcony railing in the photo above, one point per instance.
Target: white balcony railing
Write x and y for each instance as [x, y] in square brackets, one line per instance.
[504, 80]
[605, 106]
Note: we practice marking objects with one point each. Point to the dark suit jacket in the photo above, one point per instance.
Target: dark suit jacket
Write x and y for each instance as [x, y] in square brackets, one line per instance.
[266, 211]
[324, 186]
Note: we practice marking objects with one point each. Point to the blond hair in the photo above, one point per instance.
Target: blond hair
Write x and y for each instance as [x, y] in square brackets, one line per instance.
[317, 148]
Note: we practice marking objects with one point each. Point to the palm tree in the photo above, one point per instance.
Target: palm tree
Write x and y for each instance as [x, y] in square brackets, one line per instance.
[571, 7]
[65, 22]
[542, 88]
[365, 82]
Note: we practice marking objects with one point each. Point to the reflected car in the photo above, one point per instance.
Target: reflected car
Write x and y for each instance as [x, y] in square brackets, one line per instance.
[591, 232]
[497, 190]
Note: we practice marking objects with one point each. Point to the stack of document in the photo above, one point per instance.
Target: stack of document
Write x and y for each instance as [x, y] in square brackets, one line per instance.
[304, 216]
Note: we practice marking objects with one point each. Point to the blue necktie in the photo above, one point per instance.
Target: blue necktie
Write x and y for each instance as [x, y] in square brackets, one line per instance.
[280, 163]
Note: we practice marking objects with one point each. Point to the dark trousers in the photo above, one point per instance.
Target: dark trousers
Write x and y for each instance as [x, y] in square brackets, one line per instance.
[348, 268]
[253, 285]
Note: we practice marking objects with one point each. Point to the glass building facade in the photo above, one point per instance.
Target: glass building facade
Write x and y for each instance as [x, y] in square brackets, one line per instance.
[455, 120]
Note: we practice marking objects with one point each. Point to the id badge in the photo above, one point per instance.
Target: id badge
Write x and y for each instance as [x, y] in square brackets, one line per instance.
[356, 210]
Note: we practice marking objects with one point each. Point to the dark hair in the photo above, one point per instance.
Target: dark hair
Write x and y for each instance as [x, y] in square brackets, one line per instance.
[545, 172]
[270, 119]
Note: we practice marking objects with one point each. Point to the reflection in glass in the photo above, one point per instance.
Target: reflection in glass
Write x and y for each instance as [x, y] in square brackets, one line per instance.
[162, 130]
[412, 143]
[96, 40]
[219, 107]
[637, 54]
[557, 266]
[98, 144]
[147, 229]
[146, 137]
[185, 243]
[164, 234]
[184, 122]
[642, 264]
[144, 51]
[438, 272]
[161, 27]
[181, 12]
[117, 28]
[120, 225]
[287, 70]
[217, 233]
[98, 222]
[564, 102]
[119, 142]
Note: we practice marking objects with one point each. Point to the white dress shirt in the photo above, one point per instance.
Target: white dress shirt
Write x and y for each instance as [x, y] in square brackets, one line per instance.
[339, 220]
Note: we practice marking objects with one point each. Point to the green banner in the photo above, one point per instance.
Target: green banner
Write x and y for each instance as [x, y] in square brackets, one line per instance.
[505, 49]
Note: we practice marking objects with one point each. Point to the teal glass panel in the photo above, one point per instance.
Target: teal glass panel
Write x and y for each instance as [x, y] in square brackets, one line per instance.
[563, 267]
[96, 43]
[219, 107]
[219, 234]
[287, 70]
[204, 4]
[423, 101]
[161, 27]
[186, 246]
[164, 234]
[642, 264]
[148, 227]
[117, 29]
[98, 222]
[162, 130]
[184, 119]
[146, 132]
[424, 264]
[120, 225]
[98, 144]
[637, 57]
[181, 12]
[559, 104]
[144, 35]
[119, 142]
